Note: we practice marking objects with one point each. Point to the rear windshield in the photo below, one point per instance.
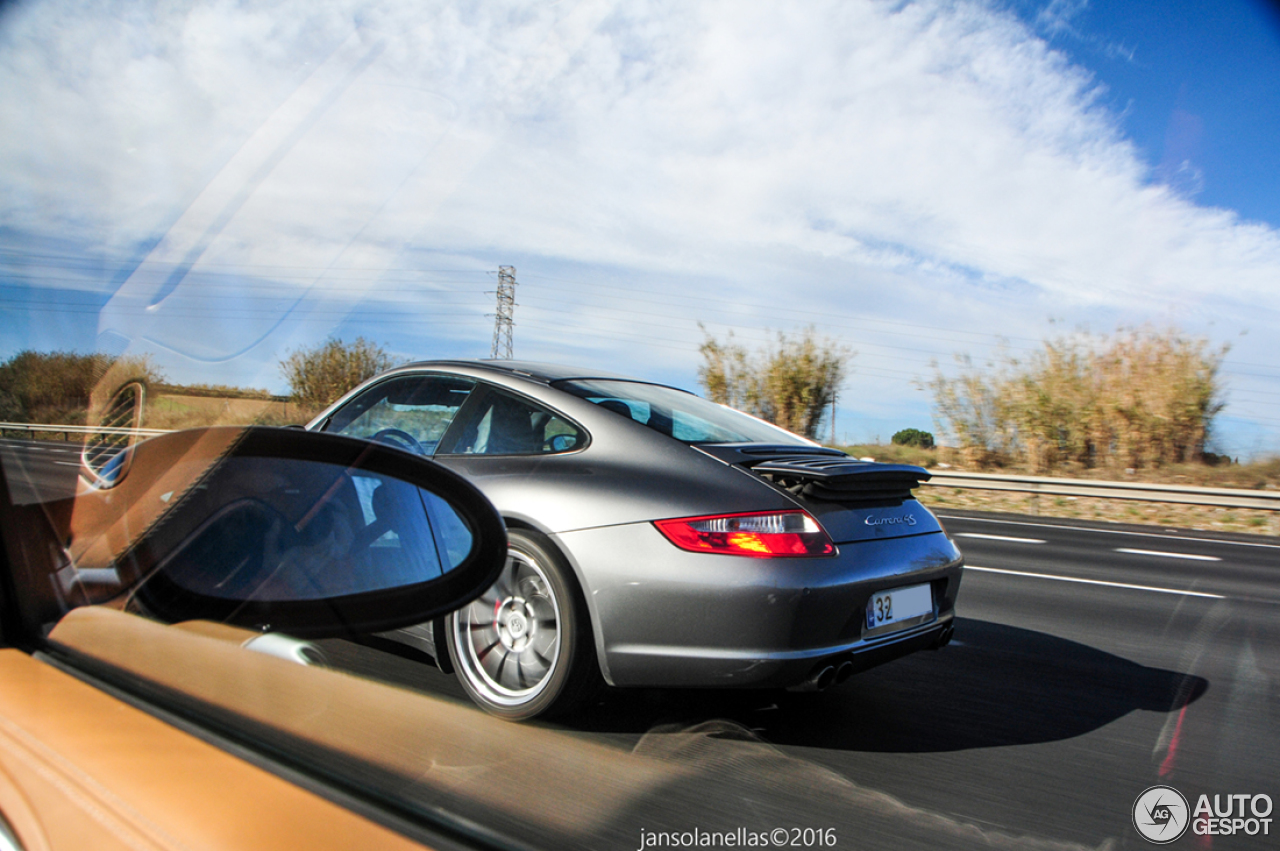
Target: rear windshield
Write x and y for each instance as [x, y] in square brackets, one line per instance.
[678, 414]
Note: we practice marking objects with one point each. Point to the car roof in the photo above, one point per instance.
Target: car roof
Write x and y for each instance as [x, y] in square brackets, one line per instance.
[542, 372]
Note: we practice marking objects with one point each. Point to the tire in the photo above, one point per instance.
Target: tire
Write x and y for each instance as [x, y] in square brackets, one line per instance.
[523, 649]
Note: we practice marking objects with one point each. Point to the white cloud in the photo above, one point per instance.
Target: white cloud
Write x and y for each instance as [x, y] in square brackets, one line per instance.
[925, 136]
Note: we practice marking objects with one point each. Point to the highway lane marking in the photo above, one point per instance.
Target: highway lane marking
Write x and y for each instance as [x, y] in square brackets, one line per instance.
[1160, 554]
[1178, 591]
[1108, 531]
[998, 538]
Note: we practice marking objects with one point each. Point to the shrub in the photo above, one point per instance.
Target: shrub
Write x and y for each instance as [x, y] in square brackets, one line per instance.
[914, 437]
[790, 384]
[320, 375]
[1137, 398]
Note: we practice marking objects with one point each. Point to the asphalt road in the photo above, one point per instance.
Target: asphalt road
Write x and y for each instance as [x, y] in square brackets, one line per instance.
[39, 469]
[1090, 663]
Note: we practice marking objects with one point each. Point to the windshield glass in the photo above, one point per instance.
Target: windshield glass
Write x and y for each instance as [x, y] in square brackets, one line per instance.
[1030, 246]
[678, 414]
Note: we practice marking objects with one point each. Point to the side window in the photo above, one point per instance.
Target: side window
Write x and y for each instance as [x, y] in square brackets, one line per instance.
[411, 412]
[693, 429]
[499, 423]
[643, 412]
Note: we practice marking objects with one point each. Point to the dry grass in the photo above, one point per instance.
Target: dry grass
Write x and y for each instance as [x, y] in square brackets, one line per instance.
[1164, 515]
[1261, 475]
[891, 453]
[789, 383]
[1137, 398]
[1264, 475]
[175, 411]
[319, 375]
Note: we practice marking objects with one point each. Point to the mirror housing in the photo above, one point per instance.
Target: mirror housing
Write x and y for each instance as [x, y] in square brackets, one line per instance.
[308, 533]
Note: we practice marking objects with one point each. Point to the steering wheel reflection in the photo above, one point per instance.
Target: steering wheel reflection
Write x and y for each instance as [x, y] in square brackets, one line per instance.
[401, 440]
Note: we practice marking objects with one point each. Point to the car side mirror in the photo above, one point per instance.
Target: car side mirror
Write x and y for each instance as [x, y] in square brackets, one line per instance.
[308, 533]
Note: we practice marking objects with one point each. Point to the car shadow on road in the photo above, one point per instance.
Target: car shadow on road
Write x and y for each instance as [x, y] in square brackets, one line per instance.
[996, 685]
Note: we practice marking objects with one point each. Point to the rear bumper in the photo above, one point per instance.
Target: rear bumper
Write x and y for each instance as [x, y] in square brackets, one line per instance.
[669, 618]
[753, 668]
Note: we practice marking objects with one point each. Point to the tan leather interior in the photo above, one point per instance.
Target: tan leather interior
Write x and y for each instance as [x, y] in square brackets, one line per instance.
[221, 631]
[81, 770]
[441, 753]
[105, 523]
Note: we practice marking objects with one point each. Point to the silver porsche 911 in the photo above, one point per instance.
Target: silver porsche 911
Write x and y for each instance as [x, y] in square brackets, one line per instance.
[658, 539]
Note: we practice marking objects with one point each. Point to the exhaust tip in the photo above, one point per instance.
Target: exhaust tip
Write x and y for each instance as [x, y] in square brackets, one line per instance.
[844, 671]
[944, 637]
[821, 677]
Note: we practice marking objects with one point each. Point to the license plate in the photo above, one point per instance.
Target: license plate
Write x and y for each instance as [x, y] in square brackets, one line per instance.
[899, 607]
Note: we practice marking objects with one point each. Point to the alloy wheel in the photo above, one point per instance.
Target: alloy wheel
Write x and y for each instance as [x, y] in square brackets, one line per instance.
[509, 639]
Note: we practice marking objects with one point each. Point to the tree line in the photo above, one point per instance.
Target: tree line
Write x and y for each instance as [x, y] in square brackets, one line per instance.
[1135, 398]
[56, 387]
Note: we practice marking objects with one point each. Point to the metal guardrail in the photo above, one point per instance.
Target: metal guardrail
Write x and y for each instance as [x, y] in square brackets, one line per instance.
[1183, 494]
[67, 430]
[1034, 485]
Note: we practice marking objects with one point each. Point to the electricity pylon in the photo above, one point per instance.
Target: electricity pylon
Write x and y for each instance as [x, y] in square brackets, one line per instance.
[503, 320]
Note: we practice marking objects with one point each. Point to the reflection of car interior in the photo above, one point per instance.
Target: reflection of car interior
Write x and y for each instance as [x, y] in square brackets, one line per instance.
[266, 527]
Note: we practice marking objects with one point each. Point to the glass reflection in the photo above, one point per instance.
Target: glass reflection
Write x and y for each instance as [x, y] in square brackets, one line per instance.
[301, 530]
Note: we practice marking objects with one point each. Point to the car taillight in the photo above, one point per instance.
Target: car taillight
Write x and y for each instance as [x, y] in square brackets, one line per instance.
[769, 534]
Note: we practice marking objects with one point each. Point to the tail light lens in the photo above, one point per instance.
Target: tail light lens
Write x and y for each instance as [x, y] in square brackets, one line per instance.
[771, 534]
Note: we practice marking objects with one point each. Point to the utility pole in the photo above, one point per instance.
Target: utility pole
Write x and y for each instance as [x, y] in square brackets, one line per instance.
[502, 320]
[833, 418]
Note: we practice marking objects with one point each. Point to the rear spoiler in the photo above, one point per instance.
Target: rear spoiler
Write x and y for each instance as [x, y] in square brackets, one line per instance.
[821, 473]
[837, 480]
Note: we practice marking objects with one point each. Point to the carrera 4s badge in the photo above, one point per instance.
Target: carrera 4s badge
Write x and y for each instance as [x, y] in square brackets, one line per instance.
[903, 520]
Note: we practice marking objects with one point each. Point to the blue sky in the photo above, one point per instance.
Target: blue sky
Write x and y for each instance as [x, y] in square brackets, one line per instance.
[215, 185]
[1195, 83]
